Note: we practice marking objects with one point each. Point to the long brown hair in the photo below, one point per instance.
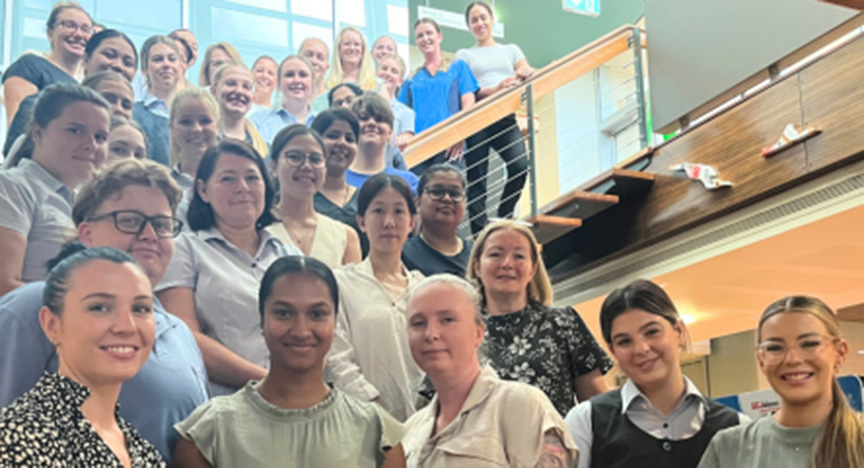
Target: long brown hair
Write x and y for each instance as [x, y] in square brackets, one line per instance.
[841, 441]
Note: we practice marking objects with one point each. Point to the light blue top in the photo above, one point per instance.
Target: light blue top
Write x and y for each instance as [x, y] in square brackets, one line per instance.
[170, 385]
[270, 121]
[403, 118]
[39, 207]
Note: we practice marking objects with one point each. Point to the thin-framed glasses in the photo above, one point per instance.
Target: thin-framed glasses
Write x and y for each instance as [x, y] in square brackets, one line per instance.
[72, 26]
[297, 158]
[133, 222]
[437, 192]
[774, 352]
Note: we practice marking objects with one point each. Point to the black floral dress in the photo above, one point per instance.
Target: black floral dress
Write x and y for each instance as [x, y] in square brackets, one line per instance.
[547, 347]
[45, 428]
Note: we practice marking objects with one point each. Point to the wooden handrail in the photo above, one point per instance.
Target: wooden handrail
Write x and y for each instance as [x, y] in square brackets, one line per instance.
[465, 123]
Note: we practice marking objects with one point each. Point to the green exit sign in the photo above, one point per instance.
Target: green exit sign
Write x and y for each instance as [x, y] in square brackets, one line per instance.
[583, 7]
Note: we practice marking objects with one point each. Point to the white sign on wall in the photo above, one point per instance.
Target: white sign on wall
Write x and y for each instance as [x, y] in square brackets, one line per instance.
[453, 20]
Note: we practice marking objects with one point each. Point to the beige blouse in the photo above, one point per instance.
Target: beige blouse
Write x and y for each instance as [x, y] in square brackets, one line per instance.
[328, 245]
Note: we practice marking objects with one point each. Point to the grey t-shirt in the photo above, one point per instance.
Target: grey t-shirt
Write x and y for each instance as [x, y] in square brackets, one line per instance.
[760, 444]
[491, 65]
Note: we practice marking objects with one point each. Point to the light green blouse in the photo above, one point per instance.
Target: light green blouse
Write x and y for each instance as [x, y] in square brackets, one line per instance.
[245, 430]
[762, 443]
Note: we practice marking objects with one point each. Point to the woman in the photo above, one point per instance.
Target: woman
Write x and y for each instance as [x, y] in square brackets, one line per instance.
[475, 419]
[292, 415]
[318, 54]
[299, 162]
[216, 55]
[441, 204]
[36, 196]
[296, 76]
[351, 62]
[194, 122]
[343, 95]
[497, 67]
[98, 313]
[233, 87]
[800, 352]
[212, 280]
[376, 131]
[564, 361]
[383, 47]
[125, 140]
[391, 69]
[659, 417]
[430, 91]
[163, 68]
[69, 28]
[366, 362]
[264, 70]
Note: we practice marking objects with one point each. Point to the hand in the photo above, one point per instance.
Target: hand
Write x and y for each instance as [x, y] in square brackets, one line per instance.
[508, 83]
[523, 73]
[402, 140]
[454, 153]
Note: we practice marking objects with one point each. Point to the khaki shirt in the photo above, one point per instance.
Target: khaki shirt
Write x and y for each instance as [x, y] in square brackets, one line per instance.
[501, 423]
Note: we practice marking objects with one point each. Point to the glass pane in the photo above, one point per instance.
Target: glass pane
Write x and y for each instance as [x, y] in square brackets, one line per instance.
[397, 20]
[273, 5]
[230, 25]
[302, 31]
[319, 9]
[353, 12]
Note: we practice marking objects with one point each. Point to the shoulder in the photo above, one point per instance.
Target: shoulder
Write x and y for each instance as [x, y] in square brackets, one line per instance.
[733, 438]
[21, 303]
[520, 401]
[26, 65]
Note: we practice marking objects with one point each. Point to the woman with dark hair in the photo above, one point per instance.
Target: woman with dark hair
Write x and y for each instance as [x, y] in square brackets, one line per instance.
[441, 205]
[212, 280]
[98, 313]
[162, 65]
[343, 95]
[36, 196]
[337, 198]
[299, 161]
[126, 140]
[800, 352]
[292, 415]
[365, 362]
[658, 417]
[69, 28]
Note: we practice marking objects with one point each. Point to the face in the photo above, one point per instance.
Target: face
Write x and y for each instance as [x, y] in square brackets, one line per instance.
[265, 76]
[351, 48]
[445, 211]
[119, 96]
[74, 144]
[387, 221]
[112, 54]
[151, 251]
[506, 265]
[390, 71]
[234, 90]
[235, 191]
[341, 144]
[217, 58]
[647, 347]
[70, 32]
[296, 80]
[124, 142]
[163, 66]
[193, 126]
[305, 180]
[442, 330]
[316, 52]
[343, 97]
[373, 132]
[480, 22]
[427, 38]
[106, 329]
[299, 321]
[193, 44]
[384, 46]
[806, 372]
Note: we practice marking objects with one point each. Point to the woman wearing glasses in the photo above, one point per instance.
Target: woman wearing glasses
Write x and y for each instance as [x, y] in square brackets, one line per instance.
[69, 28]
[800, 352]
[212, 280]
[441, 204]
[299, 162]
[129, 206]
[658, 418]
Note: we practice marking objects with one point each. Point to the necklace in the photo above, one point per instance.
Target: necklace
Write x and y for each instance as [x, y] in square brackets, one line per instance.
[304, 241]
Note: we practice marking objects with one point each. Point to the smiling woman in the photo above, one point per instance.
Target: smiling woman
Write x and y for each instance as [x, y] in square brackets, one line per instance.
[295, 82]
[234, 87]
[162, 66]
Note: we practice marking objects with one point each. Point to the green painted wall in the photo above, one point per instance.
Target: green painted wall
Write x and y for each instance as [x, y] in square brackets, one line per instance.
[541, 28]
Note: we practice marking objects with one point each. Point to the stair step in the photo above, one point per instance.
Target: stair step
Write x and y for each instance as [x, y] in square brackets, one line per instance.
[546, 228]
[620, 182]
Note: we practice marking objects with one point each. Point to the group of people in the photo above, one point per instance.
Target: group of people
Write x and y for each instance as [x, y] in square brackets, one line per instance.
[187, 281]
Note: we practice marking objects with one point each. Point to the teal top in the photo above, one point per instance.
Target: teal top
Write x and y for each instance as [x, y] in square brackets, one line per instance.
[761, 443]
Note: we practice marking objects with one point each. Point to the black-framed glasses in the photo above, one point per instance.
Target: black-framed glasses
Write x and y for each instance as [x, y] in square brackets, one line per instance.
[437, 192]
[133, 222]
[297, 158]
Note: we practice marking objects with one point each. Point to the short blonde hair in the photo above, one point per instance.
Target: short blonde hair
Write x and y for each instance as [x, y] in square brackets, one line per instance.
[539, 288]
[203, 77]
[190, 92]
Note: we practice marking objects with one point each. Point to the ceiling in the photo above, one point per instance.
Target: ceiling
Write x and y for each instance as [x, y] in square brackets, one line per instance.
[727, 293]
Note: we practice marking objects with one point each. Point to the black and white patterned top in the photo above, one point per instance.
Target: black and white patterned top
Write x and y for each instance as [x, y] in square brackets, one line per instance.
[547, 347]
[45, 428]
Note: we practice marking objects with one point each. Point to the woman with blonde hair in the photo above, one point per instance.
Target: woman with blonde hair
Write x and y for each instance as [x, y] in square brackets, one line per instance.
[295, 82]
[194, 124]
[234, 87]
[800, 352]
[565, 361]
[352, 62]
[216, 55]
[163, 68]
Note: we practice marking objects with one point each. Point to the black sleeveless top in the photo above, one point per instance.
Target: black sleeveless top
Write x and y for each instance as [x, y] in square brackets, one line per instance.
[618, 443]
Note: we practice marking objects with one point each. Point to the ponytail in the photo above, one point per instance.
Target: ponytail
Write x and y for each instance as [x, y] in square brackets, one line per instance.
[841, 441]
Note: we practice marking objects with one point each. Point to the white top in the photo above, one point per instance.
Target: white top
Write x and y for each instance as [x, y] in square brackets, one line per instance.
[501, 423]
[225, 280]
[684, 422]
[491, 65]
[370, 357]
[328, 245]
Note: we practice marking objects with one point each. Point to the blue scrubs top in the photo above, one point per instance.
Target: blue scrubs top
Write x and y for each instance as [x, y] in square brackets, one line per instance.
[434, 98]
